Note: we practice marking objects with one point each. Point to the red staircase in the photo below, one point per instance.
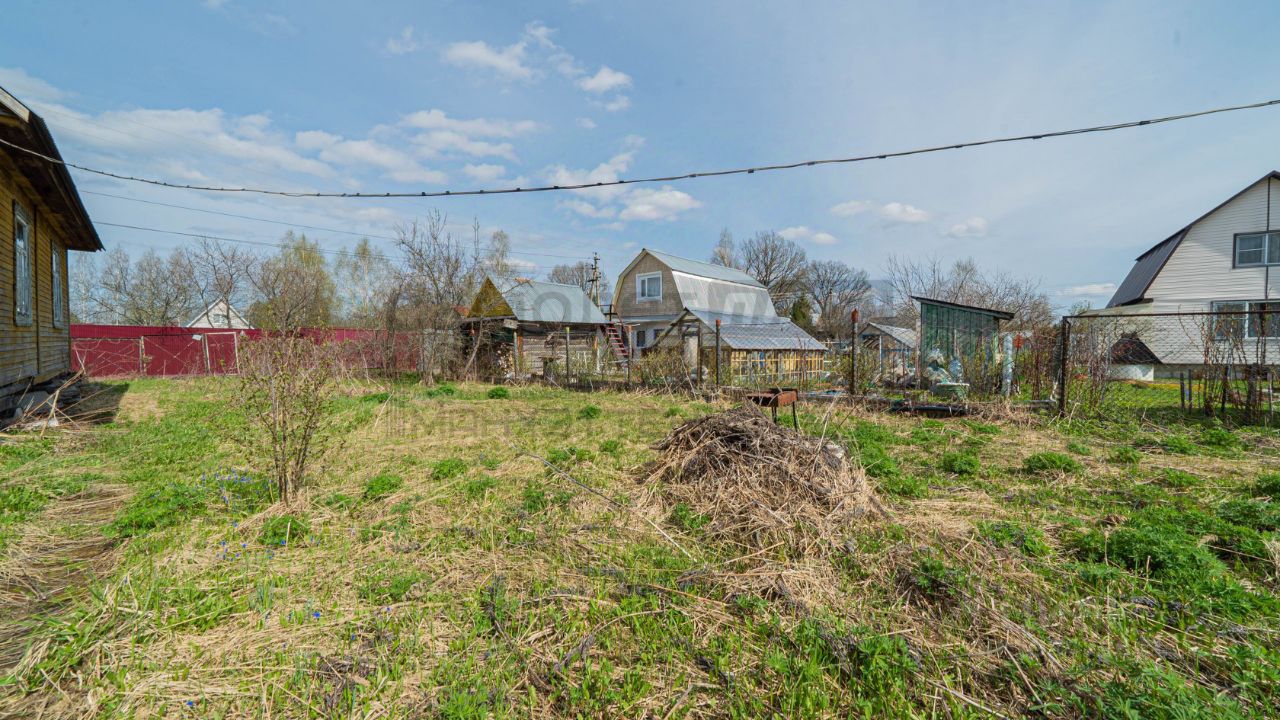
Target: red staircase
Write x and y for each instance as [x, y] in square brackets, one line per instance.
[616, 336]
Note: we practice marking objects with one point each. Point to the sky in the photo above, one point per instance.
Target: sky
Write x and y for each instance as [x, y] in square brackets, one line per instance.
[430, 96]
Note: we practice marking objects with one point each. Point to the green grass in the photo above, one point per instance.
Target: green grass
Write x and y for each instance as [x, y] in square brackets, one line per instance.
[456, 576]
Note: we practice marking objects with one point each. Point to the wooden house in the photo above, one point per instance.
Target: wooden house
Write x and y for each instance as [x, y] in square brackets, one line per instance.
[669, 301]
[41, 219]
[529, 327]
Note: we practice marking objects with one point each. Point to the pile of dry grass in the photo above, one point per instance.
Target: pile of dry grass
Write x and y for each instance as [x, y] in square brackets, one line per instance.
[757, 483]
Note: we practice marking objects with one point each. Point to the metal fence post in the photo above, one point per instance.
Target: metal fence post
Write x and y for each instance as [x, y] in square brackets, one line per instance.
[1064, 347]
[853, 351]
[566, 354]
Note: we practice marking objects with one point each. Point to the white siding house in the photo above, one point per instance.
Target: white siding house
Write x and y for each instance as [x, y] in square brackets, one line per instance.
[1225, 261]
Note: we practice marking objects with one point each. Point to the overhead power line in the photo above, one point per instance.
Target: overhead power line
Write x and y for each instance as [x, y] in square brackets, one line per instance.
[662, 178]
[285, 223]
[265, 243]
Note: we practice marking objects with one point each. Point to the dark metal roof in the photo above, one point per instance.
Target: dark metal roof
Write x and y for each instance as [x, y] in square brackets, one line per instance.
[959, 306]
[1150, 263]
[52, 179]
[1132, 351]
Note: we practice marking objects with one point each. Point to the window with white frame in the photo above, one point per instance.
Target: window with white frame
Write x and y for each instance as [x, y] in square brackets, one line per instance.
[1250, 319]
[1258, 249]
[58, 301]
[22, 251]
[649, 286]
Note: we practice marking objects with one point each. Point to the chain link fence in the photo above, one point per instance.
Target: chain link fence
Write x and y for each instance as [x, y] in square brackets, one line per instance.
[1223, 364]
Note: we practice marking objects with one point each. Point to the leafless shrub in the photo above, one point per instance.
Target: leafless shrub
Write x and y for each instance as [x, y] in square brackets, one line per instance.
[286, 387]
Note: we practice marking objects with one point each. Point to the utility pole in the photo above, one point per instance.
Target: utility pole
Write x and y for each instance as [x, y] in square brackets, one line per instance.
[595, 278]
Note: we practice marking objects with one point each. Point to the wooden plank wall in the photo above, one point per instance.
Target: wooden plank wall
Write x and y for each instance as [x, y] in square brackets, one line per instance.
[39, 351]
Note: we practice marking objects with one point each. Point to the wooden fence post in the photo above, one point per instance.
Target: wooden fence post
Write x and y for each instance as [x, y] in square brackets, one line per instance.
[1064, 373]
[717, 352]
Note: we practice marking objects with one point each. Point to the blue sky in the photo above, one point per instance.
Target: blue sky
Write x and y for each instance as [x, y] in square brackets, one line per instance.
[432, 96]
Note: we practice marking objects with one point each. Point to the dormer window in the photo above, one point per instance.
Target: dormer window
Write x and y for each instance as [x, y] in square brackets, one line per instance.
[649, 286]
[1257, 249]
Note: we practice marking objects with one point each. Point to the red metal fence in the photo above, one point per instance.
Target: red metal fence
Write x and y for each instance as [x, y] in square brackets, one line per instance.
[107, 350]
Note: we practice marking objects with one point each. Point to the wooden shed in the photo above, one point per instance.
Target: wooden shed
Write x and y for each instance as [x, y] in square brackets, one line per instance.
[41, 218]
[528, 327]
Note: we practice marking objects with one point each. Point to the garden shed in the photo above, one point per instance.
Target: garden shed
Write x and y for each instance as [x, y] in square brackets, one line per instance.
[960, 344]
[527, 327]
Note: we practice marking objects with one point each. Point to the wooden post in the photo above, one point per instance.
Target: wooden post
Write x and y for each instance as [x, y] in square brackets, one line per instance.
[853, 351]
[1064, 347]
[204, 340]
[142, 352]
[717, 352]
[566, 354]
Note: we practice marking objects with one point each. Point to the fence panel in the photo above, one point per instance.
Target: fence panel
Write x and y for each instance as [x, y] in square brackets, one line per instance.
[1224, 365]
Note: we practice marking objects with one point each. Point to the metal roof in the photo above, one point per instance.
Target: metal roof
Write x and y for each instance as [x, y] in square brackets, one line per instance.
[1001, 314]
[547, 302]
[704, 269]
[753, 332]
[905, 336]
[718, 296]
[1150, 263]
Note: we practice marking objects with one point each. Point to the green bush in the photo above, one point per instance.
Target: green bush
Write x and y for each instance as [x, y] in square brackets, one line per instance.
[1268, 486]
[162, 505]
[1051, 462]
[684, 517]
[534, 498]
[933, 578]
[589, 412]
[339, 501]
[442, 390]
[1178, 445]
[476, 488]
[1178, 478]
[448, 468]
[673, 412]
[388, 587]
[20, 501]
[1150, 550]
[382, 485]
[1079, 448]
[376, 398]
[961, 463]
[1027, 540]
[498, 393]
[903, 485]
[1256, 514]
[1125, 455]
[283, 529]
[610, 446]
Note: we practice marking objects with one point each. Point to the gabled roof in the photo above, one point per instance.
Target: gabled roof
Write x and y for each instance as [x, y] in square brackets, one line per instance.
[546, 302]
[696, 268]
[905, 336]
[754, 332]
[22, 127]
[238, 321]
[1149, 264]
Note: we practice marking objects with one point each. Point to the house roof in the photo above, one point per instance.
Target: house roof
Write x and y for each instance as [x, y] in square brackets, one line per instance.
[218, 304]
[548, 302]
[1149, 264]
[1132, 351]
[720, 296]
[905, 336]
[754, 332]
[696, 267]
[22, 127]
[1001, 314]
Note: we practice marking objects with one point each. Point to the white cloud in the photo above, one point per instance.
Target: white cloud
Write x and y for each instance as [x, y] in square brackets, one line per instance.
[895, 212]
[903, 213]
[852, 207]
[664, 203]
[586, 123]
[605, 172]
[582, 207]
[404, 43]
[214, 4]
[484, 173]
[272, 25]
[436, 119]
[803, 232]
[622, 102]
[973, 227]
[1106, 288]
[27, 88]
[507, 62]
[436, 142]
[394, 163]
[605, 79]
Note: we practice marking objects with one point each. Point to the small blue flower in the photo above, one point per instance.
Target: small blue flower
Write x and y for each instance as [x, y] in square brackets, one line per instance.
[191, 703]
[316, 614]
[282, 542]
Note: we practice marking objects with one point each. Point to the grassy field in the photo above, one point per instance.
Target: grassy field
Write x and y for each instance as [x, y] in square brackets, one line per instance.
[437, 567]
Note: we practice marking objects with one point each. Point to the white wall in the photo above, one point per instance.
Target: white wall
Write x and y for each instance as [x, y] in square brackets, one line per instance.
[1200, 270]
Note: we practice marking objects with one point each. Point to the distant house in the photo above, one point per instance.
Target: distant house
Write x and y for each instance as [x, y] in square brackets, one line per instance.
[525, 325]
[41, 218]
[676, 302]
[220, 314]
[1225, 261]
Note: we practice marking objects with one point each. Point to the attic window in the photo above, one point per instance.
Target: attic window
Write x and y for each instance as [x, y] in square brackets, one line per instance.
[649, 286]
[1258, 249]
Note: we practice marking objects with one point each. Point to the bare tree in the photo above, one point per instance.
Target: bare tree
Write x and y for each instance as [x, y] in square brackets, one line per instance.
[150, 291]
[220, 272]
[835, 289]
[778, 263]
[294, 287]
[725, 252]
[364, 278]
[963, 282]
[580, 274]
[497, 261]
